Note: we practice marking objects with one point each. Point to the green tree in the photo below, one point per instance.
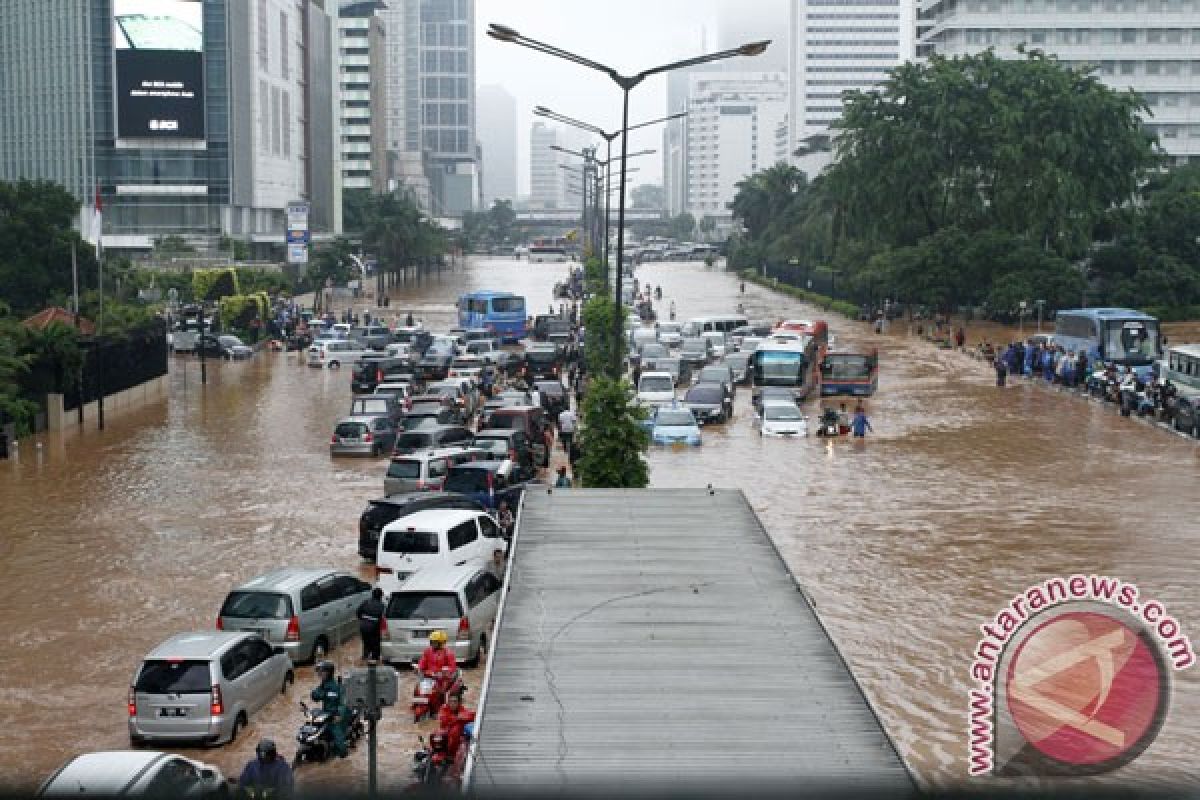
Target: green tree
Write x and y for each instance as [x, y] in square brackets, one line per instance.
[612, 439]
[14, 365]
[648, 195]
[172, 246]
[683, 226]
[356, 204]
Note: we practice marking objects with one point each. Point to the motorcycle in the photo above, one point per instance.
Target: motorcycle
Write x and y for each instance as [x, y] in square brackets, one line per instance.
[316, 734]
[830, 424]
[430, 692]
[434, 764]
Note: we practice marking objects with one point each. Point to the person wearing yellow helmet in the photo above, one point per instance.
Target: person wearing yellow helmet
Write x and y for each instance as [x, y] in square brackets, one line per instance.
[437, 656]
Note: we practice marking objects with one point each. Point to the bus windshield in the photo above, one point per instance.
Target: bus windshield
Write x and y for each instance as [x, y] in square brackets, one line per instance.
[779, 368]
[508, 305]
[847, 366]
[1131, 341]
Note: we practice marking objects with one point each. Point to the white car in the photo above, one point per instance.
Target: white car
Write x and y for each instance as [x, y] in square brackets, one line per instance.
[717, 338]
[335, 354]
[656, 389]
[135, 773]
[435, 538]
[782, 420]
[670, 334]
[750, 344]
[398, 350]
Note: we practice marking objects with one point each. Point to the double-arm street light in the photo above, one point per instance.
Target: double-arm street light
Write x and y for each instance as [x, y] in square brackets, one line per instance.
[626, 83]
[608, 137]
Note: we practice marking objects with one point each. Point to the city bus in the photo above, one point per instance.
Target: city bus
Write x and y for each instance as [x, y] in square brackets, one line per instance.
[1118, 336]
[502, 313]
[1182, 366]
[786, 359]
[550, 249]
[855, 374]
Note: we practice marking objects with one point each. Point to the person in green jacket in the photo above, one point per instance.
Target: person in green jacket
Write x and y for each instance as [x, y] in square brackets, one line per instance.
[329, 694]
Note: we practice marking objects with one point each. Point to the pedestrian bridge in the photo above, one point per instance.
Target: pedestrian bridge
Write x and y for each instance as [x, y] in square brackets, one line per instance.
[571, 216]
[654, 640]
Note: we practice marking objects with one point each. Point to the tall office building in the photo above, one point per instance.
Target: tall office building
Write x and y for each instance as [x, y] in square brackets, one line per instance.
[732, 124]
[839, 45]
[146, 108]
[545, 178]
[362, 96]
[497, 112]
[1151, 46]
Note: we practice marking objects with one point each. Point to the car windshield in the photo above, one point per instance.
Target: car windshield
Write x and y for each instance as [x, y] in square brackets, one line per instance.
[404, 468]
[717, 374]
[494, 446]
[695, 344]
[705, 394]
[781, 412]
[507, 422]
[656, 383]
[174, 677]
[541, 356]
[414, 441]
[257, 605]
[379, 406]
[410, 542]
[423, 605]
[675, 418]
[350, 430]
[467, 481]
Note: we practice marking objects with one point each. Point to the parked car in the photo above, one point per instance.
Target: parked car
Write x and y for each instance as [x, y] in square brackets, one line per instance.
[542, 361]
[653, 350]
[532, 422]
[424, 404]
[384, 510]
[416, 337]
[460, 600]
[782, 418]
[717, 343]
[367, 435]
[372, 337]
[204, 686]
[670, 334]
[462, 390]
[708, 403]
[768, 394]
[1187, 412]
[428, 539]
[435, 363]
[307, 612]
[369, 371]
[403, 391]
[554, 397]
[721, 374]
[379, 404]
[491, 352]
[426, 470]
[674, 424]
[335, 353]
[136, 773]
[696, 350]
[739, 365]
[488, 482]
[680, 370]
[233, 348]
[430, 437]
[656, 388]
[429, 416]
[507, 443]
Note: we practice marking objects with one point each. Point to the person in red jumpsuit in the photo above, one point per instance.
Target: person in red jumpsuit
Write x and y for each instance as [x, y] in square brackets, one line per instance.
[452, 718]
[436, 657]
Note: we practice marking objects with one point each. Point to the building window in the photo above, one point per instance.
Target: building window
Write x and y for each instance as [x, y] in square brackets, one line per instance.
[276, 133]
[264, 107]
[286, 113]
[264, 61]
[283, 44]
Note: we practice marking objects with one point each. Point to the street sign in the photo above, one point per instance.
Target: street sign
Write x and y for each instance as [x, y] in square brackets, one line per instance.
[297, 254]
[297, 216]
[299, 236]
[356, 684]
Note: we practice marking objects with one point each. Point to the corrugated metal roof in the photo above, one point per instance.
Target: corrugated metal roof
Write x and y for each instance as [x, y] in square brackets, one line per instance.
[656, 638]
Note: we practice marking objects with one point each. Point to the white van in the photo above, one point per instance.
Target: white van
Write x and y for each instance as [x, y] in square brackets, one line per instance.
[656, 388]
[336, 354]
[698, 326]
[440, 537]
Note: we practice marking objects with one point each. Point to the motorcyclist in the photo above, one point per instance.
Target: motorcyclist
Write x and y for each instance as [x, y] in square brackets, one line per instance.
[452, 717]
[329, 694]
[267, 775]
[436, 657]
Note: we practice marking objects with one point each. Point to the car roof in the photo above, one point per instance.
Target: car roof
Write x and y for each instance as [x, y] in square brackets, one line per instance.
[437, 579]
[286, 579]
[363, 418]
[434, 518]
[483, 466]
[104, 774]
[499, 433]
[504, 410]
[400, 499]
[199, 645]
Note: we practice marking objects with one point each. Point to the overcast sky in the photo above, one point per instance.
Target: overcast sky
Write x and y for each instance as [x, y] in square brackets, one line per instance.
[629, 35]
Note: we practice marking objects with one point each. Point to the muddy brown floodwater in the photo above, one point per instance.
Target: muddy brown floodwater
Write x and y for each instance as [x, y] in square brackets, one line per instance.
[965, 495]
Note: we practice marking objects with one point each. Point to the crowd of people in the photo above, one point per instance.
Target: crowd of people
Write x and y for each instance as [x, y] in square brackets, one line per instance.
[1054, 363]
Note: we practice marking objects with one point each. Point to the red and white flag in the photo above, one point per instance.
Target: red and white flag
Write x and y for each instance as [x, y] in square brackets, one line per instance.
[97, 222]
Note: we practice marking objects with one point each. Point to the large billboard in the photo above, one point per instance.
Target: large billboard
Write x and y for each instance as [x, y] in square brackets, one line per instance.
[159, 48]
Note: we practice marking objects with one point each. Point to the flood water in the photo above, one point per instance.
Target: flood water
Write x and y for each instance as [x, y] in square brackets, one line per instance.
[965, 495]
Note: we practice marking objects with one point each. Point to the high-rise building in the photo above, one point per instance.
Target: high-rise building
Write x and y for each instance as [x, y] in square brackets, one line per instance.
[362, 96]
[212, 136]
[1151, 46]
[732, 123]
[836, 46]
[545, 178]
[497, 111]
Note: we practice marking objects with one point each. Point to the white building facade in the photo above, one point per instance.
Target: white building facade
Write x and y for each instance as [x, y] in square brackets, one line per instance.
[362, 99]
[1151, 46]
[546, 182]
[497, 110]
[732, 123]
[837, 46]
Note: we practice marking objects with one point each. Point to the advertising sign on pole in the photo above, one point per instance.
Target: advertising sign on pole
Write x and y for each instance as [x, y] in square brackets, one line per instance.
[297, 254]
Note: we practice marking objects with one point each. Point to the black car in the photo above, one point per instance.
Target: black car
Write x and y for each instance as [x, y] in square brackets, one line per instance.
[429, 416]
[708, 403]
[489, 483]
[370, 372]
[386, 510]
[435, 365]
[1187, 413]
[554, 397]
[430, 437]
[502, 443]
[418, 341]
[543, 363]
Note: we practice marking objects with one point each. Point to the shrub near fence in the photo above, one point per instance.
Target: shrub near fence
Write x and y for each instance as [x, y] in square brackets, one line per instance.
[821, 301]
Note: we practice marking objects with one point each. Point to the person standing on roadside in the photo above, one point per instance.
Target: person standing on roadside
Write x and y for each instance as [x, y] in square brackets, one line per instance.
[370, 619]
[567, 422]
[1001, 365]
[860, 424]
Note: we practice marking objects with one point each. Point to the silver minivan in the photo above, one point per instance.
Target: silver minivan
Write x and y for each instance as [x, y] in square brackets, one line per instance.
[426, 471]
[460, 600]
[307, 612]
[204, 686]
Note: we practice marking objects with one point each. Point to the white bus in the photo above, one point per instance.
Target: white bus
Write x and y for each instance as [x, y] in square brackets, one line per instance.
[698, 326]
[1182, 366]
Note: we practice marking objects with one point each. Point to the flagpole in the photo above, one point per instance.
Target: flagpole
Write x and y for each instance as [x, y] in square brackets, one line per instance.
[78, 329]
[100, 322]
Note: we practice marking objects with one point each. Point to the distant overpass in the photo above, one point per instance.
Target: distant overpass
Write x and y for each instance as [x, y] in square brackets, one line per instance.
[571, 217]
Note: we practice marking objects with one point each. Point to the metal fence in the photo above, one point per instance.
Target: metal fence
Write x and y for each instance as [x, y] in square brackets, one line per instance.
[118, 364]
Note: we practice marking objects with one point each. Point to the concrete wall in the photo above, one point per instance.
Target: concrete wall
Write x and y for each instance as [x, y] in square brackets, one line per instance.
[58, 419]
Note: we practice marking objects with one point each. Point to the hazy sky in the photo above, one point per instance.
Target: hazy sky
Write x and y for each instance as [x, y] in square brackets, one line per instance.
[629, 35]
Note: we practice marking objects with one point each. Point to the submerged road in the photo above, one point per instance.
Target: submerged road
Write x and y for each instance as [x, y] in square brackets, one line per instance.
[907, 543]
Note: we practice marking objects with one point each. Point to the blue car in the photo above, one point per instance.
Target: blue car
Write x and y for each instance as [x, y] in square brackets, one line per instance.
[674, 425]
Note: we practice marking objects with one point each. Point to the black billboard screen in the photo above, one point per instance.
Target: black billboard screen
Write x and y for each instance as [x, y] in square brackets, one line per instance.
[159, 48]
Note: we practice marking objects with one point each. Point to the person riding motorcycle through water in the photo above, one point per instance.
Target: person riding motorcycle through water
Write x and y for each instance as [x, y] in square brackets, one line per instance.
[452, 718]
[436, 657]
[267, 775]
[329, 694]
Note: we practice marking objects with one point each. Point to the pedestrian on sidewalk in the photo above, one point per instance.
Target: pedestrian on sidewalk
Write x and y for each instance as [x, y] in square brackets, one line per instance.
[567, 422]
